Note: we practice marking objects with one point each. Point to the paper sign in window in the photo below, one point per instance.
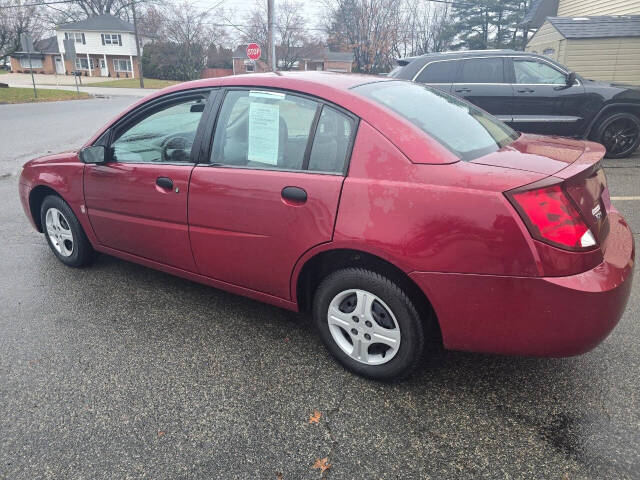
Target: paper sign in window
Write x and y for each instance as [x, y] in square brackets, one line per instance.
[264, 132]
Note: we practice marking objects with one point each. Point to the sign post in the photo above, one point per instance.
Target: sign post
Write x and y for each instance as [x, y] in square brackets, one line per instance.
[70, 52]
[253, 52]
[26, 42]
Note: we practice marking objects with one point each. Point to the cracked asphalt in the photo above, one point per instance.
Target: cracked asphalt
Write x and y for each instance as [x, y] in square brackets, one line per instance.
[118, 371]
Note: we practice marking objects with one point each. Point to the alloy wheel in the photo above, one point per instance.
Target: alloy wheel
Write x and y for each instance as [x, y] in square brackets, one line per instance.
[364, 327]
[620, 136]
[59, 232]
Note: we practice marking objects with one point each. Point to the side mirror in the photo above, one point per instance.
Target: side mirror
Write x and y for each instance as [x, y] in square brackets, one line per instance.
[571, 78]
[96, 154]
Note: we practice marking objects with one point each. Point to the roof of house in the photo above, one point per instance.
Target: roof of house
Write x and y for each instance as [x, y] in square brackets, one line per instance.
[318, 54]
[539, 11]
[597, 27]
[46, 45]
[99, 23]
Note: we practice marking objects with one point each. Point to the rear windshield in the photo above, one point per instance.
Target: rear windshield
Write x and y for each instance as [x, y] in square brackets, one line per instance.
[463, 129]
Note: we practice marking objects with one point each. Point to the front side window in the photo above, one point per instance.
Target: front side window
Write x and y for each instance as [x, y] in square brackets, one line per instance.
[482, 70]
[439, 72]
[263, 129]
[166, 135]
[122, 65]
[535, 72]
[462, 128]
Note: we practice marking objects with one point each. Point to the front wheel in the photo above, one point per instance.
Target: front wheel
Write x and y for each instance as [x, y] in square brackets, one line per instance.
[619, 133]
[369, 324]
[64, 233]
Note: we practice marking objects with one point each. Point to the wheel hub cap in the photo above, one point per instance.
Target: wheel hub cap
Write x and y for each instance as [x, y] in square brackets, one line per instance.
[364, 327]
[59, 232]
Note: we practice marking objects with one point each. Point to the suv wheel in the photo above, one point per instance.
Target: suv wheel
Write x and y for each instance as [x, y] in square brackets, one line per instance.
[619, 133]
[369, 324]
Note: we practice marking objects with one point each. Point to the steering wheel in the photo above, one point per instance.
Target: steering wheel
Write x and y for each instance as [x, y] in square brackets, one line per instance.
[176, 149]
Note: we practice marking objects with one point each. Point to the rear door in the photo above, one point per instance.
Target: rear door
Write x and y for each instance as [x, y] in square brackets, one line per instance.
[269, 188]
[482, 82]
[543, 103]
[137, 200]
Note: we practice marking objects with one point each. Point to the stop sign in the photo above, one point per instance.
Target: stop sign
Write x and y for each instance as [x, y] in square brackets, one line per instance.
[253, 51]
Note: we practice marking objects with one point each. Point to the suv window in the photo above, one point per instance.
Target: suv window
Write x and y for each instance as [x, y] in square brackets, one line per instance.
[534, 72]
[482, 70]
[462, 128]
[263, 129]
[439, 72]
[166, 135]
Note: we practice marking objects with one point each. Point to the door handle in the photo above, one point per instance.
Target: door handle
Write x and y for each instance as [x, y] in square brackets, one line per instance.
[526, 90]
[294, 194]
[463, 90]
[164, 182]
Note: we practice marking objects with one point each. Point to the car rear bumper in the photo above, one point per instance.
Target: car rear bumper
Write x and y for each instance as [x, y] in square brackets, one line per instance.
[535, 316]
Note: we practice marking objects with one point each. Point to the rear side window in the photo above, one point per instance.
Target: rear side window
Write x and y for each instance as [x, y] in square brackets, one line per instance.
[331, 142]
[439, 72]
[263, 129]
[462, 128]
[482, 70]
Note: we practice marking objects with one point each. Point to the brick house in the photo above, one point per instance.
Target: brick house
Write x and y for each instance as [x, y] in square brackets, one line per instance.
[105, 47]
[320, 58]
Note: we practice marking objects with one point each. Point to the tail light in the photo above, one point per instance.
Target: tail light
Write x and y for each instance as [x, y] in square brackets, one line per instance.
[551, 217]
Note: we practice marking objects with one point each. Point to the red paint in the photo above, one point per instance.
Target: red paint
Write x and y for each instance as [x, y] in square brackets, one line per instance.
[406, 199]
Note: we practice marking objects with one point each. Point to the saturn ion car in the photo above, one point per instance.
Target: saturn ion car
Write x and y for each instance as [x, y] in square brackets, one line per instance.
[394, 213]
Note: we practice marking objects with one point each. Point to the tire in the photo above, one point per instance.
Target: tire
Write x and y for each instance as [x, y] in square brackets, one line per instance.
[619, 133]
[64, 234]
[386, 305]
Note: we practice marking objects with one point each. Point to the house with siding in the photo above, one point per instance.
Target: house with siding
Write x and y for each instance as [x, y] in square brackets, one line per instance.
[597, 39]
[105, 47]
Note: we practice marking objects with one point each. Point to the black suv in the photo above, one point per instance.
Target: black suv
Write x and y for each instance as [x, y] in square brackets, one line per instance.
[534, 94]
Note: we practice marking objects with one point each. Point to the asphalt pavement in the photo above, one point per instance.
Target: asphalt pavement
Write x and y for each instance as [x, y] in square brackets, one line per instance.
[119, 371]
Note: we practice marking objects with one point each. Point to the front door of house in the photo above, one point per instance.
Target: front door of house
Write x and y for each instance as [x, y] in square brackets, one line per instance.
[104, 71]
[59, 66]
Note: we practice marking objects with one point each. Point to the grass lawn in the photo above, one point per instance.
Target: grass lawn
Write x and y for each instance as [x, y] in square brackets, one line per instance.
[25, 95]
[3, 71]
[133, 83]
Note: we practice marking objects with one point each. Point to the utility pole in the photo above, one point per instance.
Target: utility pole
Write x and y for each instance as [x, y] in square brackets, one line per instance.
[271, 52]
[135, 33]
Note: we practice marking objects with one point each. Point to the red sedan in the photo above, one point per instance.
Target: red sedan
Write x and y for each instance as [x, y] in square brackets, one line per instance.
[391, 211]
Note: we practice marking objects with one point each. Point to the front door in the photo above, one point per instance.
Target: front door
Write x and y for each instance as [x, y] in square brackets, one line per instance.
[543, 102]
[482, 82]
[137, 200]
[104, 71]
[59, 66]
[270, 189]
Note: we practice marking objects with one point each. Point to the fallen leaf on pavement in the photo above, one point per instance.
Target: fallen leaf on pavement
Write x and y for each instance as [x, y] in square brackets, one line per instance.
[161, 433]
[322, 463]
[315, 418]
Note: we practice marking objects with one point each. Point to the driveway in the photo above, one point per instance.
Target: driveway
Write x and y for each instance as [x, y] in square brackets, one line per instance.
[118, 371]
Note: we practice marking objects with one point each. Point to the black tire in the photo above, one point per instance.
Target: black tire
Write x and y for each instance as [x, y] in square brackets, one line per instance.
[619, 133]
[82, 252]
[412, 328]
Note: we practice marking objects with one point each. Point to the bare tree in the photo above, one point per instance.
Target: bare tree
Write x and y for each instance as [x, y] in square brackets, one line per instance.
[423, 28]
[16, 21]
[370, 28]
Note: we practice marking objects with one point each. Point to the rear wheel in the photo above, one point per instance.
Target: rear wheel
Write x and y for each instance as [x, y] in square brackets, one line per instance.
[369, 324]
[63, 232]
[619, 133]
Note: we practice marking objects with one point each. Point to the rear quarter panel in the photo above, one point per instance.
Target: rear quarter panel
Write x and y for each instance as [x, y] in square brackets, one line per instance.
[437, 218]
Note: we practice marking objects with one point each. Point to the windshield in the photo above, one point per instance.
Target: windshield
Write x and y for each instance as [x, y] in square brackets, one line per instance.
[462, 128]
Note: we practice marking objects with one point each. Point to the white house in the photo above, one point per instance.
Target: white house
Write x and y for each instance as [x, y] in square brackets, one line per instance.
[105, 46]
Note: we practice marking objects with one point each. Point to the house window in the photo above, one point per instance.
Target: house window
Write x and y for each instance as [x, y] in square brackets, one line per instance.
[35, 62]
[74, 36]
[249, 66]
[83, 64]
[122, 65]
[111, 39]
[549, 52]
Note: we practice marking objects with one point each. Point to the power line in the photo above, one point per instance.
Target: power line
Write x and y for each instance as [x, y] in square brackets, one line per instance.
[36, 4]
